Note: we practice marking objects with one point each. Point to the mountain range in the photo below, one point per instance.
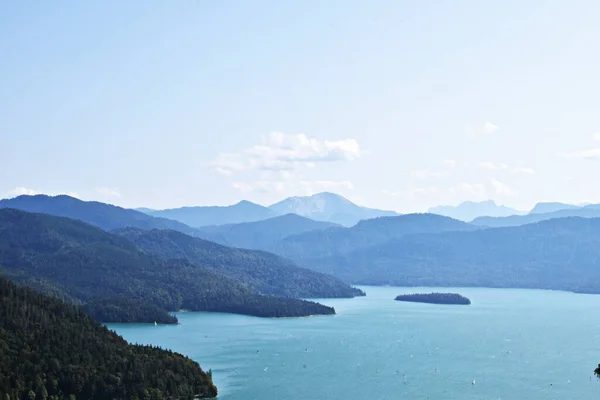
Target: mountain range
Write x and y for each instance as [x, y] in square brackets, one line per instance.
[104, 216]
[589, 211]
[118, 281]
[469, 210]
[561, 254]
[326, 207]
[339, 240]
[262, 234]
[547, 207]
[244, 211]
[133, 266]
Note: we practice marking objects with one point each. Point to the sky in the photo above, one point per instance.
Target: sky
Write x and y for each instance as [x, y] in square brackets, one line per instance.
[395, 104]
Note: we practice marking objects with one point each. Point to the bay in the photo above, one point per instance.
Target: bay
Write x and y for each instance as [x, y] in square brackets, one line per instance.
[508, 344]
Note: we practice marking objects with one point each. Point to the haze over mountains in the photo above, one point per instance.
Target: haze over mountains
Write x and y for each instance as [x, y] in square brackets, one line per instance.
[327, 207]
[469, 210]
[589, 211]
[289, 255]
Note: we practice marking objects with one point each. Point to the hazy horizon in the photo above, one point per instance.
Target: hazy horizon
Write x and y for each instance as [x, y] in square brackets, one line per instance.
[395, 105]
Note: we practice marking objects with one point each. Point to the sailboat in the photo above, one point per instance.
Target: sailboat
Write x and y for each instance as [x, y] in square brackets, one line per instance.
[155, 324]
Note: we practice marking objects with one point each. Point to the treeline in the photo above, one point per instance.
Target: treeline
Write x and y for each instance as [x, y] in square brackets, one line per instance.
[434, 298]
[93, 267]
[52, 350]
[128, 310]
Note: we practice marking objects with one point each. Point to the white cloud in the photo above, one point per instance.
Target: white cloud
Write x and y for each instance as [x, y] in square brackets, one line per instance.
[502, 166]
[470, 191]
[280, 152]
[492, 165]
[502, 189]
[450, 163]
[596, 136]
[108, 191]
[426, 173]
[411, 192]
[464, 190]
[592, 154]
[523, 171]
[486, 129]
[292, 187]
[20, 190]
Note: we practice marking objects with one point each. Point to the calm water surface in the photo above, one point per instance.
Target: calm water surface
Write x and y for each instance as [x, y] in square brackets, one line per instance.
[514, 344]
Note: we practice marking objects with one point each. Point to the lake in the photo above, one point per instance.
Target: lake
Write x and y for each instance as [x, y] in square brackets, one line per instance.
[512, 344]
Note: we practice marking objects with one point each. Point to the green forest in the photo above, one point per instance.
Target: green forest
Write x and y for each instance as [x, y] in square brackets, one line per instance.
[50, 349]
[84, 264]
[264, 272]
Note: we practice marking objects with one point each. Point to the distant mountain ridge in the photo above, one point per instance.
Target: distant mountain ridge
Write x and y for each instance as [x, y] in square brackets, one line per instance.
[325, 207]
[262, 234]
[305, 247]
[200, 216]
[328, 207]
[589, 211]
[542, 208]
[102, 215]
[561, 254]
[469, 210]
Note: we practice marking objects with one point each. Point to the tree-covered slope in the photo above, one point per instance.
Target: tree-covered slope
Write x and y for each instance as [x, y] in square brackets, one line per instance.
[105, 216]
[335, 241]
[52, 350]
[262, 234]
[80, 262]
[556, 254]
[262, 271]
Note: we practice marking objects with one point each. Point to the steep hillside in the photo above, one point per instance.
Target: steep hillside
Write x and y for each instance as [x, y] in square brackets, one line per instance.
[262, 234]
[261, 271]
[244, 211]
[366, 233]
[85, 264]
[104, 216]
[329, 207]
[556, 254]
[49, 349]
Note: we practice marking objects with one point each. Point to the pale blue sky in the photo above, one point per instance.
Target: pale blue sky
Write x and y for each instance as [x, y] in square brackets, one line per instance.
[395, 104]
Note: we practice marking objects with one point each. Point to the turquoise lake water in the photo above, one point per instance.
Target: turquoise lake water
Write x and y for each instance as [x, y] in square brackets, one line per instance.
[515, 344]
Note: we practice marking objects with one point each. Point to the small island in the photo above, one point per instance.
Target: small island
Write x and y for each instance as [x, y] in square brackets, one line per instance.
[434, 298]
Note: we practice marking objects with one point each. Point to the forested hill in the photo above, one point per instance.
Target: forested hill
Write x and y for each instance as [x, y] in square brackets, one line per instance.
[562, 254]
[105, 216]
[371, 232]
[262, 234]
[264, 272]
[79, 262]
[52, 350]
